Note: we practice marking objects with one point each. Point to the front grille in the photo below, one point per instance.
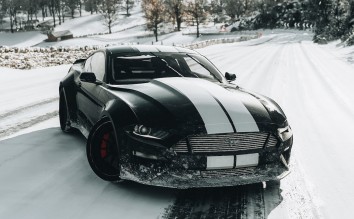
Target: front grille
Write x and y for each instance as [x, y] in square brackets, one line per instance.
[231, 142]
[226, 173]
[227, 142]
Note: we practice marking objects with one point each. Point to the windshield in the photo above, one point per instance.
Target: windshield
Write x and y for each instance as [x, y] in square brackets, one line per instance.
[162, 65]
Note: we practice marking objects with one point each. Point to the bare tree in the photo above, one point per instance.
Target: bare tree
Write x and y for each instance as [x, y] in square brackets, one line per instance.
[59, 7]
[31, 6]
[175, 8]
[2, 13]
[109, 10]
[154, 14]
[196, 9]
[43, 4]
[127, 5]
[51, 6]
[71, 4]
[11, 7]
[79, 2]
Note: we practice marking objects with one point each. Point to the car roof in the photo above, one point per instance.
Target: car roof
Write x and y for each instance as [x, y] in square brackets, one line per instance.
[147, 48]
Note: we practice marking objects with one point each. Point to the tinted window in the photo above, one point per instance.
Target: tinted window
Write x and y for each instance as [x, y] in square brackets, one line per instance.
[160, 65]
[98, 65]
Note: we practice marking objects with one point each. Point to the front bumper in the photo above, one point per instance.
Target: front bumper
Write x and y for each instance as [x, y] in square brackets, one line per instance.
[189, 170]
[183, 179]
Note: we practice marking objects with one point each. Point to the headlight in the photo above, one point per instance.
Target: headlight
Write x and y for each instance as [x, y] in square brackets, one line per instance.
[285, 133]
[147, 132]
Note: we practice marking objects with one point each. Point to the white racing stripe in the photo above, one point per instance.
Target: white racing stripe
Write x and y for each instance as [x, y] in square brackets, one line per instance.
[213, 115]
[240, 116]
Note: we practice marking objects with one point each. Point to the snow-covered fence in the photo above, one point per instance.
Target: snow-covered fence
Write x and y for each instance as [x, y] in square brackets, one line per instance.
[206, 43]
[35, 57]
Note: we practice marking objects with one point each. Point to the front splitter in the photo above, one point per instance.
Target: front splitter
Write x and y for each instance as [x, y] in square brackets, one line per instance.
[184, 179]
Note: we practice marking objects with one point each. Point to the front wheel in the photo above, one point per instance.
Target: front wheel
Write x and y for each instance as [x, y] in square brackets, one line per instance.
[102, 151]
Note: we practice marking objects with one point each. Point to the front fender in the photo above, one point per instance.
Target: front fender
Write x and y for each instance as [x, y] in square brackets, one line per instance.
[120, 114]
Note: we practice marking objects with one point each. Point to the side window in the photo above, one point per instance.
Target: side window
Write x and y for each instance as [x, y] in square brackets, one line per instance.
[98, 65]
[88, 65]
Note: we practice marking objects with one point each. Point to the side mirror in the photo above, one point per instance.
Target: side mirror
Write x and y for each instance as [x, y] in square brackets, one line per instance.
[230, 77]
[89, 77]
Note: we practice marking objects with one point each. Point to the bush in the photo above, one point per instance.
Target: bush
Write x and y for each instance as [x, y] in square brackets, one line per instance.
[320, 39]
[233, 29]
[350, 40]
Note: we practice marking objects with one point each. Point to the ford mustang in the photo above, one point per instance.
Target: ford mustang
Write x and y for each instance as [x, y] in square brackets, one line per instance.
[166, 116]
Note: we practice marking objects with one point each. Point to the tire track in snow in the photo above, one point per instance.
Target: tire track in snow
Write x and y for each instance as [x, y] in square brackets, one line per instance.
[24, 117]
[28, 107]
[22, 125]
[248, 201]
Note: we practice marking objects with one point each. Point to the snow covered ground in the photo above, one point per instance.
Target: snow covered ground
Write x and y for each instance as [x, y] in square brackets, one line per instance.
[44, 173]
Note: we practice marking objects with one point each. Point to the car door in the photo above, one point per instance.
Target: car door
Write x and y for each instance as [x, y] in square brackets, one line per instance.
[88, 101]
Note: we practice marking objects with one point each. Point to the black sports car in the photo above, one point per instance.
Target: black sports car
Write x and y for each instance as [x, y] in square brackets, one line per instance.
[166, 116]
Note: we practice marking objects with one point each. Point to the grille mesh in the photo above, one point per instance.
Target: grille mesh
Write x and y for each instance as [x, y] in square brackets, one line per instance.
[272, 142]
[228, 142]
[230, 172]
[181, 146]
[231, 142]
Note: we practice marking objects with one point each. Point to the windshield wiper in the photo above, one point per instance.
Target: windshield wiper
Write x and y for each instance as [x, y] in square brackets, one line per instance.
[167, 65]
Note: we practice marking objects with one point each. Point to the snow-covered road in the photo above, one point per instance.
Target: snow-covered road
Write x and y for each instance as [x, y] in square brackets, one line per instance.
[315, 89]
[44, 174]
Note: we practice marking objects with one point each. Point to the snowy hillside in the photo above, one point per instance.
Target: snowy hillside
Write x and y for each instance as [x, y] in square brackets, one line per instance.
[90, 30]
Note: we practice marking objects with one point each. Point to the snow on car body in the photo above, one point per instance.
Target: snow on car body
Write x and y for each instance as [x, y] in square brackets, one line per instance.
[166, 116]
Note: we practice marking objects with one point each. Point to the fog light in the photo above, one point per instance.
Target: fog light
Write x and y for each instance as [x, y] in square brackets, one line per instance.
[285, 133]
[143, 130]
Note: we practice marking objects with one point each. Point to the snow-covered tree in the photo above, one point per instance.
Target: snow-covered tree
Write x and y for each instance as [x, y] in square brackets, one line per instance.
[91, 5]
[234, 8]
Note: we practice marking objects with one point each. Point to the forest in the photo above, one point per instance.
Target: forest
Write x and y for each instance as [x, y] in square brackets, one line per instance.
[328, 19]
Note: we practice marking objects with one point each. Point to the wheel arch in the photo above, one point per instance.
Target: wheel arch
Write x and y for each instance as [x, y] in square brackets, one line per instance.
[119, 113]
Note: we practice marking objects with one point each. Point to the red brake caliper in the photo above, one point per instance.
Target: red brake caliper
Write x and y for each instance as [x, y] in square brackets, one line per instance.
[103, 145]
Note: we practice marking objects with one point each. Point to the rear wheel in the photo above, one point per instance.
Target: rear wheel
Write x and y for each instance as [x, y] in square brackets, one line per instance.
[64, 114]
[102, 151]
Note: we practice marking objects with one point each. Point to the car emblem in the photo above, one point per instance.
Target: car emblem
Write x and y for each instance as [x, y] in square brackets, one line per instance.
[232, 142]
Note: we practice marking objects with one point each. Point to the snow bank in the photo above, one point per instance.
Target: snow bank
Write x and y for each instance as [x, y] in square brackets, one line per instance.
[33, 57]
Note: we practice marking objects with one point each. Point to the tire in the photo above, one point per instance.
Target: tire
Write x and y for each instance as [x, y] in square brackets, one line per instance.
[64, 117]
[103, 152]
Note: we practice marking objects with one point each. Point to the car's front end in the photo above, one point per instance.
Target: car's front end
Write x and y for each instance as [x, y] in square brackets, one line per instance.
[205, 160]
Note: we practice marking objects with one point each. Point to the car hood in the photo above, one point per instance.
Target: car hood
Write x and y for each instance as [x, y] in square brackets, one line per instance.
[200, 105]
